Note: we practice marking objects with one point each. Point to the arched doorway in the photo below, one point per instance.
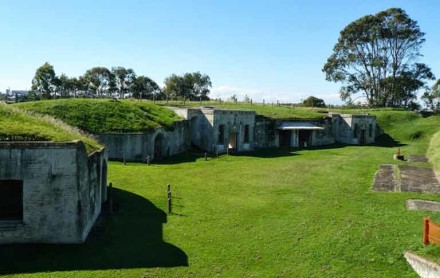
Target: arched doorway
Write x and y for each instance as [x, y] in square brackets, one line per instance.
[158, 146]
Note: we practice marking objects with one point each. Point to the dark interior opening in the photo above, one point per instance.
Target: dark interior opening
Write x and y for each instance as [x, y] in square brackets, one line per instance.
[285, 138]
[11, 200]
[246, 133]
[221, 134]
[304, 138]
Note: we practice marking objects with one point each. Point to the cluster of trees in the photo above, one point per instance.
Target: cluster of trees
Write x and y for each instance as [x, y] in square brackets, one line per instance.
[312, 101]
[117, 82]
[377, 55]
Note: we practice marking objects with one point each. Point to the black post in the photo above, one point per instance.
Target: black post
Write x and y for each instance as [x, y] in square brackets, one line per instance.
[148, 160]
[125, 162]
[169, 198]
[206, 156]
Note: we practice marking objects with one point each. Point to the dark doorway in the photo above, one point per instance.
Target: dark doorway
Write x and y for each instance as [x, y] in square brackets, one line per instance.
[11, 200]
[305, 138]
[285, 138]
[232, 141]
[158, 145]
[362, 139]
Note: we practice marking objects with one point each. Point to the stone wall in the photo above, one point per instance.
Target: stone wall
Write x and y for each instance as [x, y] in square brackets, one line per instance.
[156, 144]
[63, 189]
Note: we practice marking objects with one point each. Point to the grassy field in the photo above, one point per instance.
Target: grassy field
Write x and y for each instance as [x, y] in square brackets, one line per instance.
[105, 115]
[18, 125]
[274, 213]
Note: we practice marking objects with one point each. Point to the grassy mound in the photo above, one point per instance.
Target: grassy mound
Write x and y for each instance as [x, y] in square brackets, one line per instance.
[267, 110]
[19, 125]
[434, 151]
[105, 116]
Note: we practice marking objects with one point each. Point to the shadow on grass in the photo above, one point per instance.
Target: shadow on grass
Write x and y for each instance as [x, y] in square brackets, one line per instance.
[385, 140]
[268, 153]
[130, 238]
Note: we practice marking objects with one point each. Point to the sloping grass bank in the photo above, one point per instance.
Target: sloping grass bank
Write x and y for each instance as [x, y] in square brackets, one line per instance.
[19, 125]
[104, 115]
[434, 151]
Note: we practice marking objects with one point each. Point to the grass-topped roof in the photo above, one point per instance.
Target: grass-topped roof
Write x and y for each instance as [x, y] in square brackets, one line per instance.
[105, 115]
[20, 125]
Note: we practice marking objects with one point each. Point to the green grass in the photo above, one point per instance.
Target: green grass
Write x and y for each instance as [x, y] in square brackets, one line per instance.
[18, 125]
[267, 110]
[434, 151]
[274, 213]
[104, 115]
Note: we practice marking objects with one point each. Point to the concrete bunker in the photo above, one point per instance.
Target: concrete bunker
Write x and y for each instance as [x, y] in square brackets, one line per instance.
[49, 192]
[156, 144]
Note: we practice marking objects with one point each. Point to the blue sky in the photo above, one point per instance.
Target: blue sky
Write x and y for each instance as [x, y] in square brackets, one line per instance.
[272, 50]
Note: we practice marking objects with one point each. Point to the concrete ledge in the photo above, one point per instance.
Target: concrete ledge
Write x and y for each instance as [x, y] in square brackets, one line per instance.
[422, 205]
[422, 266]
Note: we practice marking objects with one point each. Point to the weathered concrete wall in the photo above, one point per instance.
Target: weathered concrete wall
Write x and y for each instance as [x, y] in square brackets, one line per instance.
[137, 146]
[63, 190]
[354, 129]
[264, 132]
[234, 123]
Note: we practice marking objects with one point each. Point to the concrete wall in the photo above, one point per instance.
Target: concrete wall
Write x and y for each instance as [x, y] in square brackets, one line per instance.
[63, 189]
[137, 146]
[354, 129]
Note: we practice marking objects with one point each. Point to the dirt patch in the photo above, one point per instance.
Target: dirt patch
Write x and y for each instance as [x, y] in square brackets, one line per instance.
[406, 179]
[417, 158]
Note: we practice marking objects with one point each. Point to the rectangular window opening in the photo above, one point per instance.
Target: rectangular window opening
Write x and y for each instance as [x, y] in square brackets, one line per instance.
[11, 200]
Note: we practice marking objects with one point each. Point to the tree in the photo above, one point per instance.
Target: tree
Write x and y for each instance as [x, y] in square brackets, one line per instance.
[98, 80]
[144, 87]
[432, 97]
[313, 102]
[45, 81]
[376, 55]
[190, 86]
[123, 80]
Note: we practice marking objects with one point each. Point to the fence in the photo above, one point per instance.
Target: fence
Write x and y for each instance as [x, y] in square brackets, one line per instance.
[431, 232]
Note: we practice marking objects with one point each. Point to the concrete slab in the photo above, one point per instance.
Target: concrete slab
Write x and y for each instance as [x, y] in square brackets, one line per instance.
[385, 178]
[417, 158]
[422, 205]
[418, 179]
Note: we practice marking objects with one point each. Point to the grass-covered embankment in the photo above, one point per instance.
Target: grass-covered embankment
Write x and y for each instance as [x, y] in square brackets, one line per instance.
[19, 125]
[104, 115]
[434, 151]
[267, 110]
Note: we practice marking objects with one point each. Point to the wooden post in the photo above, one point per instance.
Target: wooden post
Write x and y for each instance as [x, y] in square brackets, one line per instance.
[110, 198]
[169, 198]
[426, 231]
[206, 156]
[148, 160]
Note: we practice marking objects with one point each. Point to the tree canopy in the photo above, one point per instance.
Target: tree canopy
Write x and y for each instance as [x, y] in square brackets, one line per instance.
[313, 102]
[45, 81]
[190, 86]
[377, 56]
[432, 97]
[118, 82]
